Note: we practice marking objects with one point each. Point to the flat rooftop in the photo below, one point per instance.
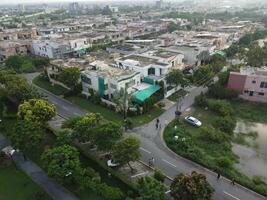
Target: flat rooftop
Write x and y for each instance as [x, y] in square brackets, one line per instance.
[105, 70]
[143, 60]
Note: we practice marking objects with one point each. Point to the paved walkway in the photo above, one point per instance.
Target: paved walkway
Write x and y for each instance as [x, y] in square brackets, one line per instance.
[56, 191]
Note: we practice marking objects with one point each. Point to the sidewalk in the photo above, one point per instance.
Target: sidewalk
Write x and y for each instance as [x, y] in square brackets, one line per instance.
[53, 189]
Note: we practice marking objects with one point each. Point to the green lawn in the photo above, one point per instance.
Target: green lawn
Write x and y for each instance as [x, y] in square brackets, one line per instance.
[112, 115]
[250, 111]
[147, 117]
[15, 185]
[174, 97]
[43, 83]
[94, 108]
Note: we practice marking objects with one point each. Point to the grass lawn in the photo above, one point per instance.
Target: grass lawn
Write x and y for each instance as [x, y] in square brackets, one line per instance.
[43, 83]
[15, 185]
[250, 111]
[112, 115]
[174, 97]
[146, 118]
[94, 108]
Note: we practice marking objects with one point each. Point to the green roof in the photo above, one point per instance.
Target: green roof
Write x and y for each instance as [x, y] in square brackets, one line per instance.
[221, 53]
[141, 96]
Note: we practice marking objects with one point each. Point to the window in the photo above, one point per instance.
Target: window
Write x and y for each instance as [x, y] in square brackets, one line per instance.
[263, 85]
[151, 71]
[253, 81]
[261, 93]
[86, 79]
[246, 91]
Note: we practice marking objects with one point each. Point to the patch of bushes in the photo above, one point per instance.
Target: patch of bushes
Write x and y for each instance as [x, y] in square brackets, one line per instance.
[26, 64]
[225, 124]
[158, 175]
[221, 107]
[218, 91]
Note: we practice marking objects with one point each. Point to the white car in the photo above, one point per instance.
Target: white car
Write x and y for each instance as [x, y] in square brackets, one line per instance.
[193, 121]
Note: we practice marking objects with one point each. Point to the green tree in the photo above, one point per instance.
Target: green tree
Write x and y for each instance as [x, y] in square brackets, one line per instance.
[64, 136]
[159, 175]
[40, 62]
[127, 150]
[192, 186]
[107, 135]
[14, 62]
[203, 74]
[62, 163]
[150, 189]
[18, 89]
[26, 135]
[225, 124]
[85, 128]
[70, 77]
[255, 56]
[36, 110]
[172, 27]
[176, 78]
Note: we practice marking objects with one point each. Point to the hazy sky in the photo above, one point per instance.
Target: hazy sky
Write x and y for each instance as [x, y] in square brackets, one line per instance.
[47, 1]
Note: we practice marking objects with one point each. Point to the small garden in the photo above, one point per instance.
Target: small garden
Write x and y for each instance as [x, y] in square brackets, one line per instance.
[42, 82]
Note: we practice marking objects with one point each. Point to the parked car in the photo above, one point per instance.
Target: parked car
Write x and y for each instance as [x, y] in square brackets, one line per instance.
[193, 121]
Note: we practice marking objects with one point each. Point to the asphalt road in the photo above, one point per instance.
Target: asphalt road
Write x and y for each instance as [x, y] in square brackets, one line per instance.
[152, 145]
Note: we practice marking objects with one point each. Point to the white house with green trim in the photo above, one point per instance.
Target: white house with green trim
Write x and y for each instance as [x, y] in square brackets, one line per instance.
[106, 80]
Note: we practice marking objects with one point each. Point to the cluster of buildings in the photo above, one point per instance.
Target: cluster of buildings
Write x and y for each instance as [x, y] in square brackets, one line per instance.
[129, 51]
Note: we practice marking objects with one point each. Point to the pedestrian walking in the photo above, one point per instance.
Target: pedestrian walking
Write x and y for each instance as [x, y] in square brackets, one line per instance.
[149, 162]
[218, 176]
[24, 156]
[157, 125]
[157, 120]
[233, 181]
[152, 161]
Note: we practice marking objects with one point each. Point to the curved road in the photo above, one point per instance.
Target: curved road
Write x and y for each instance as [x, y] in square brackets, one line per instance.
[152, 145]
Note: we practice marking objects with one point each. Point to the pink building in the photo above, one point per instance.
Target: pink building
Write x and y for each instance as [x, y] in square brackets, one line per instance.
[251, 83]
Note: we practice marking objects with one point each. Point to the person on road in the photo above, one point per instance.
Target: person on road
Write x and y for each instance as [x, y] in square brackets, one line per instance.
[233, 182]
[218, 176]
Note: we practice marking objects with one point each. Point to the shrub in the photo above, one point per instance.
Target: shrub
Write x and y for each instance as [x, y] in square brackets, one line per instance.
[221, 107]
[4, 160]
[209, 133]
[225, 124]
[201, 100]
[161, 105]
[158, 175]
[224, 162]
[219, 92]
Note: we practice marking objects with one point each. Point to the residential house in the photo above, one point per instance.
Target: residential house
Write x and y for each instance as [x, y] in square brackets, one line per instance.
[251, 83]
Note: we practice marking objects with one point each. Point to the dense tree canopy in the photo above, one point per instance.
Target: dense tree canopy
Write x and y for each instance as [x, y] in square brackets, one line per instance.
[25, 64]
[176, 78]
[70, 77]
[36, 110]
[62, 163]
[26, 135]
[86, 127]
[192, 186]
[16, 87]
[127, 150]
[107, 135]
[150, 189]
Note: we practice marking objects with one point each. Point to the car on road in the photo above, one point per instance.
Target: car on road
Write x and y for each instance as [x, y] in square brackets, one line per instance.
[193, 121]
